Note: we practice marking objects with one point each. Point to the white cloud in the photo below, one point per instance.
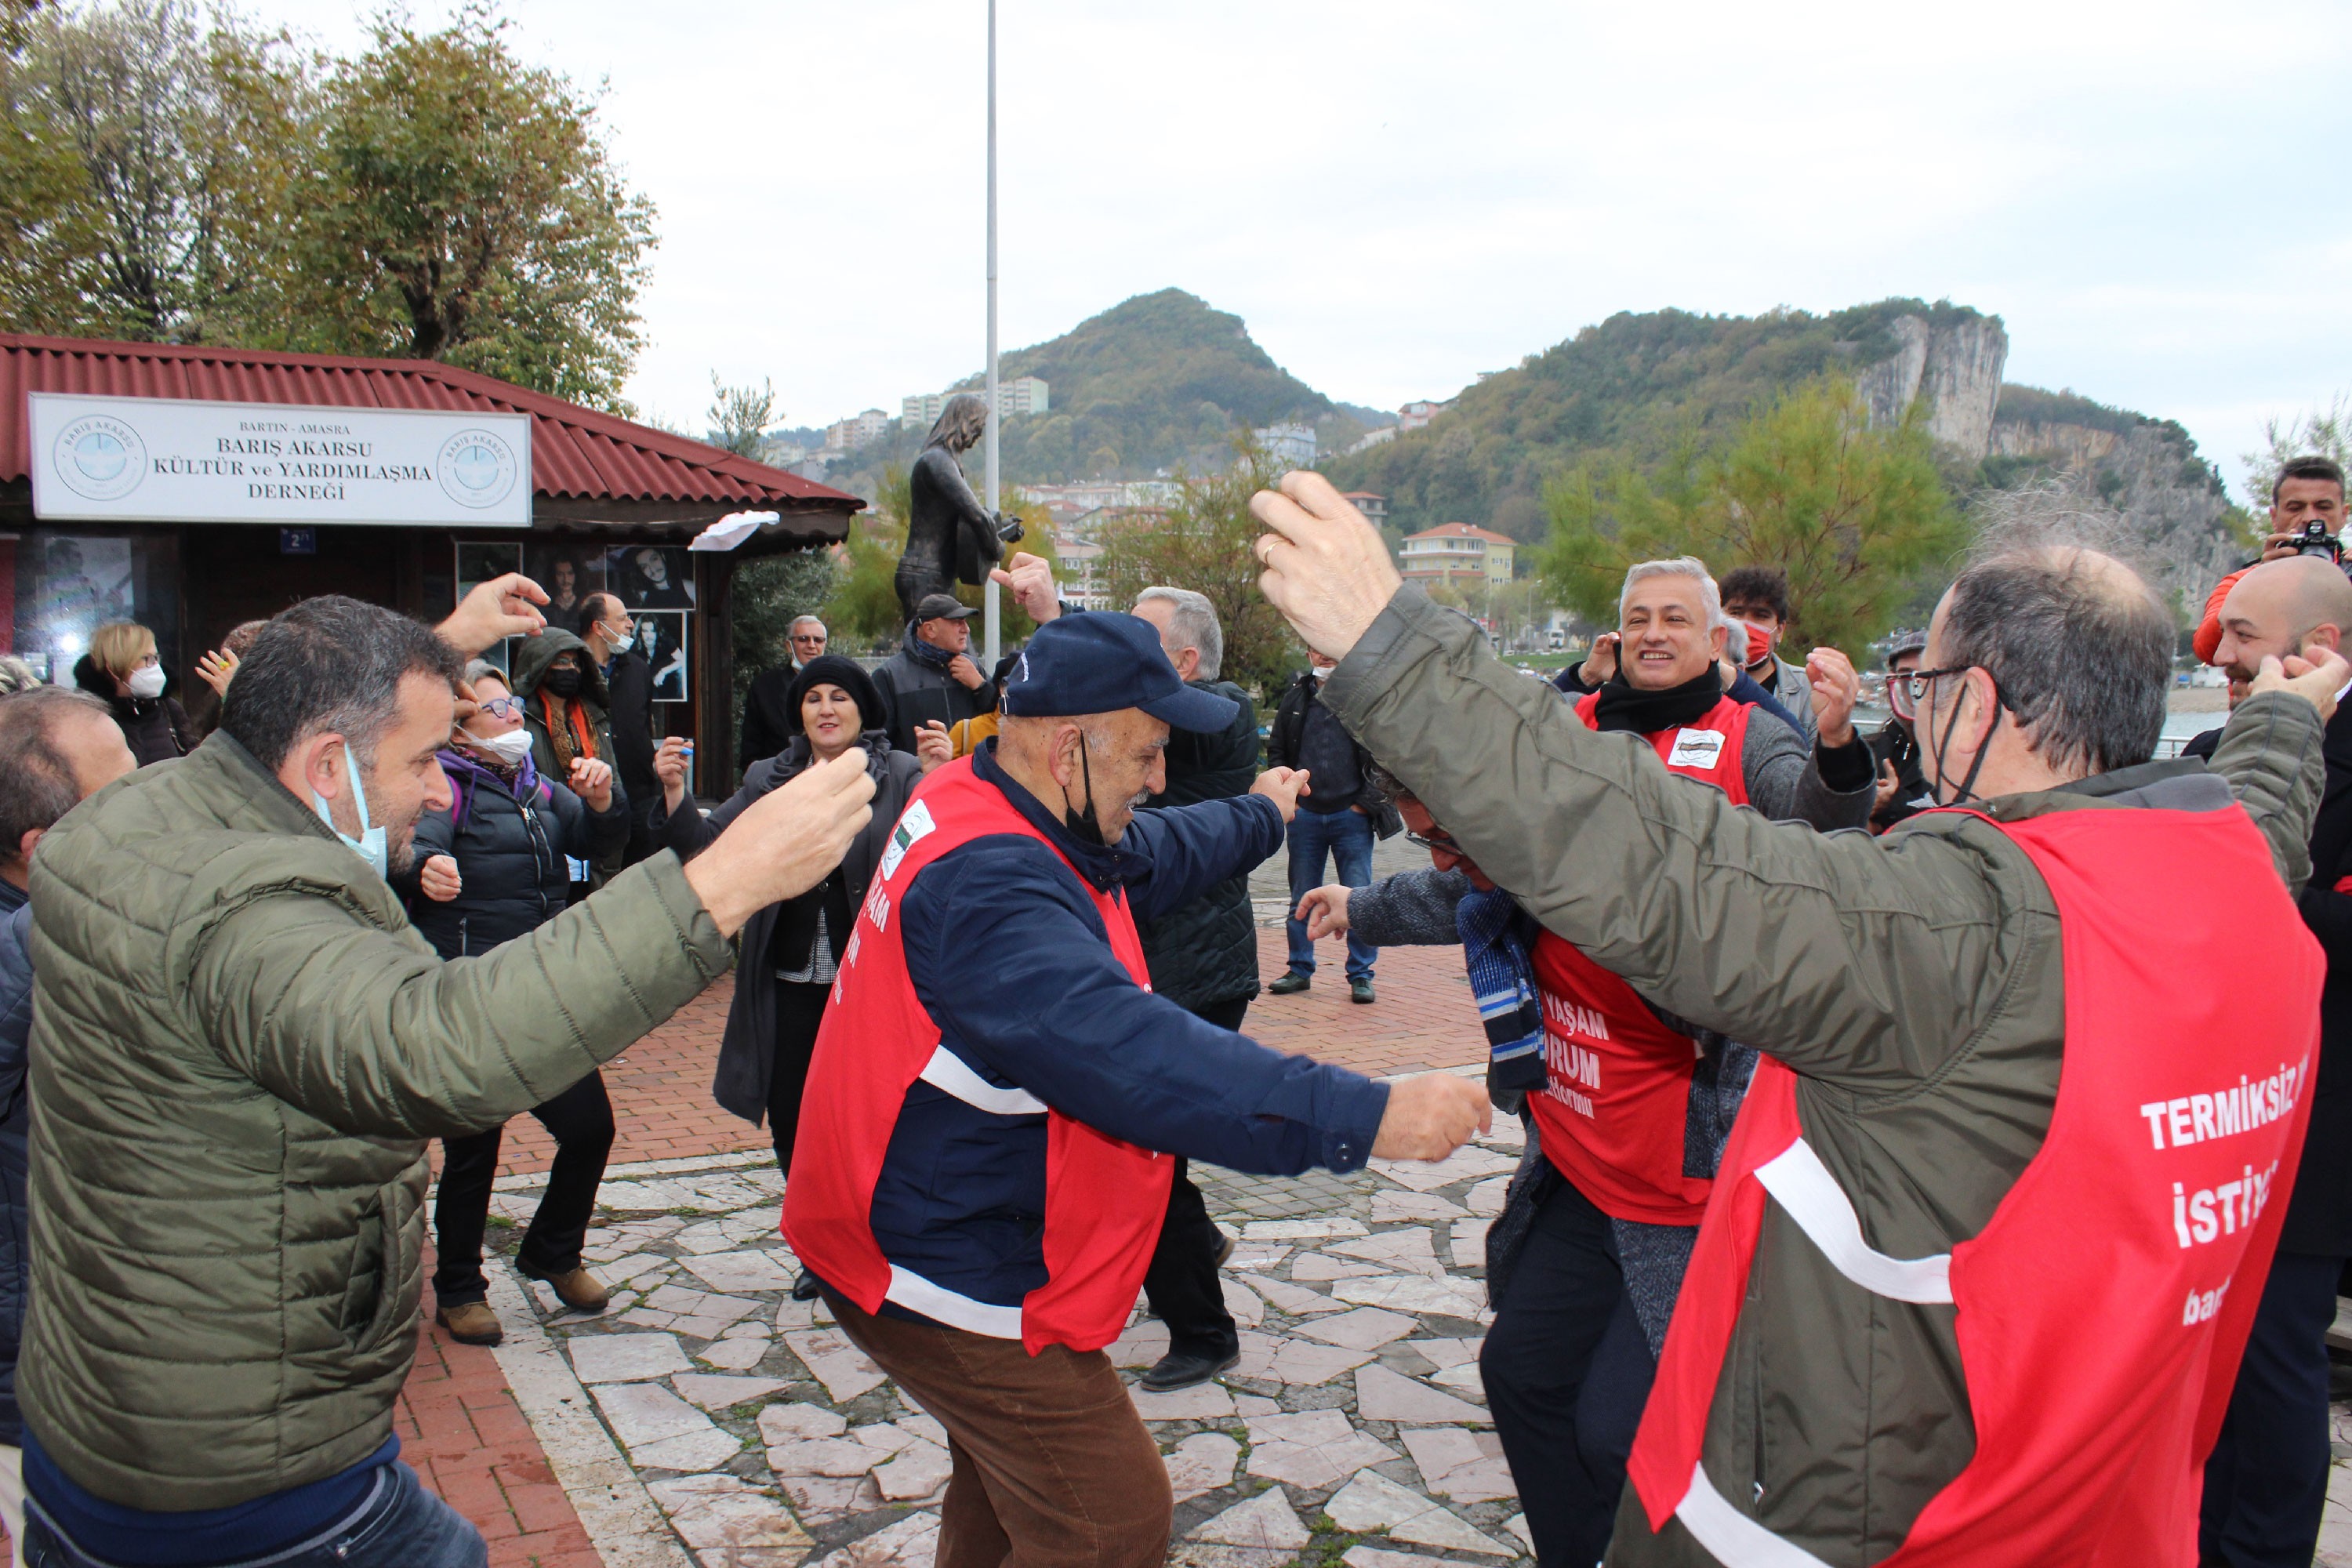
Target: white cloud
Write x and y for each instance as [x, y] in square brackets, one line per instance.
[1396, 197]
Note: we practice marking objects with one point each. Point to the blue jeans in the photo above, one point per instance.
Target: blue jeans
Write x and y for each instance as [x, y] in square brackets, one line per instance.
[401, 1525]
[1346, 835]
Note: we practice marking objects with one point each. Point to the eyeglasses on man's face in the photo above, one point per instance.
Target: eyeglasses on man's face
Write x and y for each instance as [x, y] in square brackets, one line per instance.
[503, 707]
[1916, 686]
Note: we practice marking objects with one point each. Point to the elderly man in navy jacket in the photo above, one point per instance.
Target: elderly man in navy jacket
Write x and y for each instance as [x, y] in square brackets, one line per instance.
[996, 1091]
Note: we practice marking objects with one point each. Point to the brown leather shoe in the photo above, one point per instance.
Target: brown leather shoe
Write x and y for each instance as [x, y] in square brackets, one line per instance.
[577, 1288]
[471, 1324]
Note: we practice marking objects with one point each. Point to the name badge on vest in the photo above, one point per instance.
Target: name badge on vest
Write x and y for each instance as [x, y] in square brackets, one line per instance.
[1695, 748]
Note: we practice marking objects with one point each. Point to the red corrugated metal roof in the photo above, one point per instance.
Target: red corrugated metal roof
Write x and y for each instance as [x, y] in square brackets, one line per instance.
[576, 453]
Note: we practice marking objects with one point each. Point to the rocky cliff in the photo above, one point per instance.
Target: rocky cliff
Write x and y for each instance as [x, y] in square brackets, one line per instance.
[2167, 502]
[1954, 364]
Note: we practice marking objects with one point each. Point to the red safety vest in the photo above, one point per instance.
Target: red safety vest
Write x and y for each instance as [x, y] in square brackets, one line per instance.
[1617, 1082]
[1104, 1199]
[2102, 1310]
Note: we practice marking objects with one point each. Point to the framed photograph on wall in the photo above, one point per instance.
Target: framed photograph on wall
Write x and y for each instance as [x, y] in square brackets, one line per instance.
[663, 635]
[568, 573]
[651, 577]
[480, 560]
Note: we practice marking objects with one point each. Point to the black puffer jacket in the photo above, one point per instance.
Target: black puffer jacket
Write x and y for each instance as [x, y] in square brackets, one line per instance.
[155, 727]
[1206, 951]
[748, 1051]
[510, 843]
[1285, 738]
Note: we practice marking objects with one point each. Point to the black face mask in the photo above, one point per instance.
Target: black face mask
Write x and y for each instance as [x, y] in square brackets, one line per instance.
[565, 681]
[1084, 825]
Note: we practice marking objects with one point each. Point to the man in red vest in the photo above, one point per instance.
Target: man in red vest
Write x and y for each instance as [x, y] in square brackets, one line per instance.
[1950, 1304]
[985, 1146]
[1630, 1108]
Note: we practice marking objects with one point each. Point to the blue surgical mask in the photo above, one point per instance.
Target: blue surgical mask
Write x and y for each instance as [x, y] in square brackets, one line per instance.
[371, 846]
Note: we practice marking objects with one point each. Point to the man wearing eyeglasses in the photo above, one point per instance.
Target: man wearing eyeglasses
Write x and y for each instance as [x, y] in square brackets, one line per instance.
[1902, 787]
[1950, 1304]
[808, 639]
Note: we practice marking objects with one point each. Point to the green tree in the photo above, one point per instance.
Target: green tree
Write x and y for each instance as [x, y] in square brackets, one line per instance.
[739, 415]
[772, 592]
[2322, 433]
[462, 205]
[1854, 514]
[160, 149]
[1205, 543]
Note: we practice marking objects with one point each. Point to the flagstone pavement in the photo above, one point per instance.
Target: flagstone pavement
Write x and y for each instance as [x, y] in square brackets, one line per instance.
[705, 1421]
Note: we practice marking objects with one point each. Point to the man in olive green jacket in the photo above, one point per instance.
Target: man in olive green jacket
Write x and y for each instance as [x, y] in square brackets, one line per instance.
[240, 1049]
[1914, 982]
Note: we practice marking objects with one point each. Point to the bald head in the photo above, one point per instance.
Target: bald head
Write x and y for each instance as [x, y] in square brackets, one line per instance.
[2284, 608]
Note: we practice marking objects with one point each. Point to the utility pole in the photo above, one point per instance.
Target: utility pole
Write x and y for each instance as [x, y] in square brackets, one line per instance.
[991, 628]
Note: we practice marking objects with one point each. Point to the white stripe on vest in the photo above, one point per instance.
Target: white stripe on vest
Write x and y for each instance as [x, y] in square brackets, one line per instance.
[949, 1072]
[943, 1305]
[1805, 1188]
[1733, 1538]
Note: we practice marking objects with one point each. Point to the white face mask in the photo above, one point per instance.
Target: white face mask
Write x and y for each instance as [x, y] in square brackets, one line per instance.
[619, 645]
[146, 682]
[510, 748]
[371, 846]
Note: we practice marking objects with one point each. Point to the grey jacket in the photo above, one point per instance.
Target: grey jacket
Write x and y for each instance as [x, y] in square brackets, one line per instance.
[1914, 981]
[1791, 690]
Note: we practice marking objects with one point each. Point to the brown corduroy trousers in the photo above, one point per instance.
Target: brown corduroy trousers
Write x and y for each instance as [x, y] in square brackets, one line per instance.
[1052, 1465]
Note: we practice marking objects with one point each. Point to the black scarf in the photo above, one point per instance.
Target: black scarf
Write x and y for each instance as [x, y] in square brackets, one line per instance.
[1623, 707]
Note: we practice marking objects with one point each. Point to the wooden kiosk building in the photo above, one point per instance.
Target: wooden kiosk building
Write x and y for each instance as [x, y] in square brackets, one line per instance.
[189, 489]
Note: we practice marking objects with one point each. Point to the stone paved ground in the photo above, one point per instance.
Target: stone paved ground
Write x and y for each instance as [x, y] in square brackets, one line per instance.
[705, 1411]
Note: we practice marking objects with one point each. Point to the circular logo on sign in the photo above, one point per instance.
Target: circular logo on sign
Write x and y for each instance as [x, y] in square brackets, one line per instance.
[477, 468]
[100, 457]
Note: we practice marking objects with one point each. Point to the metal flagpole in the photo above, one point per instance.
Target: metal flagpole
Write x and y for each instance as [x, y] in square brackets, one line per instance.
[991, 631]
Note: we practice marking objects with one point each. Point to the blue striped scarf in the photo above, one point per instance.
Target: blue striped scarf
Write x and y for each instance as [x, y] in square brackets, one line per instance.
[1502, 976]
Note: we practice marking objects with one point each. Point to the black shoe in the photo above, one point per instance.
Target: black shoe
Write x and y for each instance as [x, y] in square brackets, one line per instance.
[1182, 1370]
[1224, 1249]
[1289, 985]
[1360, 991]
[804, 1288]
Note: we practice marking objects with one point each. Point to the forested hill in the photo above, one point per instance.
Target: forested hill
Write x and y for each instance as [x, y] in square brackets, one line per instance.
[1637, 384]
[1160, 381]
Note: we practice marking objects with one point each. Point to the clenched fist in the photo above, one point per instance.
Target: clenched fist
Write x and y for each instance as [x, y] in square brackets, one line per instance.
[1283, 786]
[1431, 1116]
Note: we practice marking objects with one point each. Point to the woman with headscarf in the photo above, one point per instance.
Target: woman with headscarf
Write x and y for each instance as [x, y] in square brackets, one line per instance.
[122, 670]
[790, 950]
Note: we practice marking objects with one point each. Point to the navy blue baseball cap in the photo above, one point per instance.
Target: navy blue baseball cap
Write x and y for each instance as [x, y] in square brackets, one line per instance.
[1101, 661]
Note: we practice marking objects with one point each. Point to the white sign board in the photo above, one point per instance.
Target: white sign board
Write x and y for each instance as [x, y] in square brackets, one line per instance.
[162, 460]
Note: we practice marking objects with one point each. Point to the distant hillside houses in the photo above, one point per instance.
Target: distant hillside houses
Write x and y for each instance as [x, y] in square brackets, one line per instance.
[1458, 553]
[1022, 395]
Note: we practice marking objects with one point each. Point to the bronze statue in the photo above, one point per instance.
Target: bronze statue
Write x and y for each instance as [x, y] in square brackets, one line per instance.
[950, 537]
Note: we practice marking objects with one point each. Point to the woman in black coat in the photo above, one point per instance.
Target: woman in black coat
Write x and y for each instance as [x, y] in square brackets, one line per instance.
[122, 670]
[492, 866]
[788, 949]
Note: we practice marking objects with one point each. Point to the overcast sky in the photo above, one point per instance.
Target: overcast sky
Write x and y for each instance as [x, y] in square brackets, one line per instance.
[1397, 196]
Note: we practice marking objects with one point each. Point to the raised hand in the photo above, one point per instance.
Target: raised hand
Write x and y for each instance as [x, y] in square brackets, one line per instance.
[1601, 662]
[1326, 569]
[500, 608]
[933, 745]
[1030, 579]
[1283, 786]
[591, 780]
[1836, 688]
[2317, 679]
[670, 766]
[438, 880]
[966, 673]
[215, 668]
